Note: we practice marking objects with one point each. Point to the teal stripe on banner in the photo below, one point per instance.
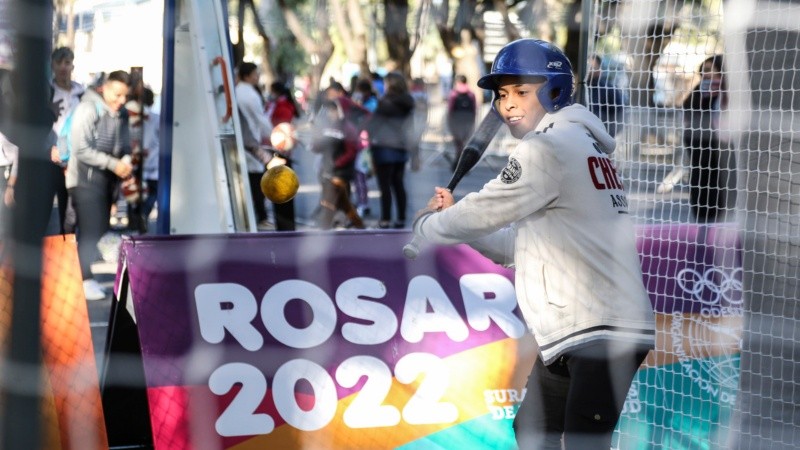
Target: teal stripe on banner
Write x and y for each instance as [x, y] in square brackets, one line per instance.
[681, 406]
[481, 433]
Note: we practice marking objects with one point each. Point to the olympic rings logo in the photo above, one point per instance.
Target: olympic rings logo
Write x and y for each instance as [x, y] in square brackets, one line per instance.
[721, 284]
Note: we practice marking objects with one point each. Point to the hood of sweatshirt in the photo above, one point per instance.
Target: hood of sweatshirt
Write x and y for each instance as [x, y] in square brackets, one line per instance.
[579, 114]
[90, 95]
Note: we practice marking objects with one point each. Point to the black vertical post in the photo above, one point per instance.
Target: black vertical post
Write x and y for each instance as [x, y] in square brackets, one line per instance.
[136, 221]
[583, 50]
[31, 123]
[165, 128]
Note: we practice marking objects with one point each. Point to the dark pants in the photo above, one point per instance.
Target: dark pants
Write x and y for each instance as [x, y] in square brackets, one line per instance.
[66, 212]
[284, 213]
[579, 397]
[711, 181]
[93, 211]
[390, 182]
[152, 196]
[362, 191]
[257, 196]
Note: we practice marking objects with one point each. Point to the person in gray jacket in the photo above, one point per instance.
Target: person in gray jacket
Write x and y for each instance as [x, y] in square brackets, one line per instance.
[393, 142]
[557, 214]
[99, 141]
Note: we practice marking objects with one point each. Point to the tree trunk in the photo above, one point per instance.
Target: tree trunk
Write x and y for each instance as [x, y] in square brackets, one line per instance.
[446, 33]
[511, 30]
[319, 48]
[238, 47]
[645, 43]
[350, 24]
[395, 31]
[467, 63]
[70, 24]
[574, 21]
[266, 66]
[65, 9]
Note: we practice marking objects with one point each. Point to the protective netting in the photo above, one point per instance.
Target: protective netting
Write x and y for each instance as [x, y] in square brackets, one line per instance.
[702, 97]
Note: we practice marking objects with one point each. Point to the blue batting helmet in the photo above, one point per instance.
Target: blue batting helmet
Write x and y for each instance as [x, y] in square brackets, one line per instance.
[539, 60]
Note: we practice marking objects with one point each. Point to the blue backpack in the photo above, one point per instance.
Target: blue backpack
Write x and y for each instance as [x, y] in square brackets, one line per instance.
[64, 143]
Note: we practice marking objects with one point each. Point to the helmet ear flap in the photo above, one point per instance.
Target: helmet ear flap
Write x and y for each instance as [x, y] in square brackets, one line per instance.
[547, 98]
[556, 93]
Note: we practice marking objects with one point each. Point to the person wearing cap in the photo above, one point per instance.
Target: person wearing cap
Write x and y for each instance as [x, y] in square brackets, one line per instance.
[557, 213]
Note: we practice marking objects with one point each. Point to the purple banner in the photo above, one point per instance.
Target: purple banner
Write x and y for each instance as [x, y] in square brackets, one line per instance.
[281, 339]
[289, 293]
[692, 268]
[687, 268]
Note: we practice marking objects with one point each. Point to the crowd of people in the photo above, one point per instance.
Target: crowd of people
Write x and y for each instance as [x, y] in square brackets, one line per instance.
[104, 150]
[379, 124]
[370, 130]
[369, 133]
[103, 140]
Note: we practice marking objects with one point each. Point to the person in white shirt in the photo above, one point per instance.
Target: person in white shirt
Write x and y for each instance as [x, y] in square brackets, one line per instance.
[65, 96]
[256, 130]
[557, 214]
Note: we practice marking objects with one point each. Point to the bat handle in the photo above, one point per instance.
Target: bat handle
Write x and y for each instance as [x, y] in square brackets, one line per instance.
[411, 250]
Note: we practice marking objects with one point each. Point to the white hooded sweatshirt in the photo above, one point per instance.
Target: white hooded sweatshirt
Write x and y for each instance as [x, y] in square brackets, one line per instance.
[558, 214]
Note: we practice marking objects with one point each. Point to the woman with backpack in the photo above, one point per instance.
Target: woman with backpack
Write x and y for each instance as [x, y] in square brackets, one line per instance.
[461, 112]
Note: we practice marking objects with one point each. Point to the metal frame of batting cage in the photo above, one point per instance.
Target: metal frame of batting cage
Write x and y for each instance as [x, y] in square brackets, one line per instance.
[28, 127]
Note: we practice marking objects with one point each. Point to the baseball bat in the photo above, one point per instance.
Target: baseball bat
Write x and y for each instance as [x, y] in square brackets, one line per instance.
[472, 153]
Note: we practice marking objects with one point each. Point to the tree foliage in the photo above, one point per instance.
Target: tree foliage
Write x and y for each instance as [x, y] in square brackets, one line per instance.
[314, 27]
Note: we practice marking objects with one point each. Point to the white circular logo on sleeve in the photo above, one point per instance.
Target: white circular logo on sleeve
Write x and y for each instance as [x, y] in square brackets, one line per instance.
[511, 172]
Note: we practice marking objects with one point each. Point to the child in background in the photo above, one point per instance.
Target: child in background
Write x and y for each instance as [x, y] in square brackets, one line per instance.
[338, 143]
[367, 97]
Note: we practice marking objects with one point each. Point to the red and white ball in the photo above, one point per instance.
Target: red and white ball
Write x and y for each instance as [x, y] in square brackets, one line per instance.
[282, 137]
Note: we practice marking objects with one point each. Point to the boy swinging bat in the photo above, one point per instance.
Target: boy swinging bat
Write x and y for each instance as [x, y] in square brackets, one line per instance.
[557, 213]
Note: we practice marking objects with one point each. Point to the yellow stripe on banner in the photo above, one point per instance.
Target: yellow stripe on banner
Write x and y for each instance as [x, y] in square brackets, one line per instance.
[471, 374]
